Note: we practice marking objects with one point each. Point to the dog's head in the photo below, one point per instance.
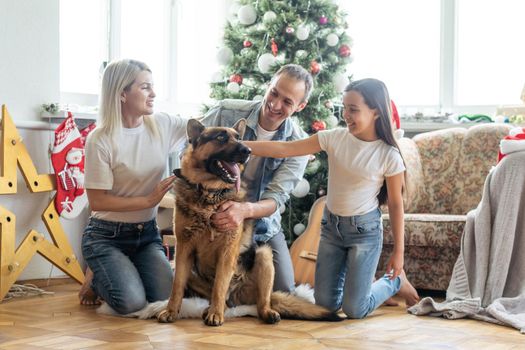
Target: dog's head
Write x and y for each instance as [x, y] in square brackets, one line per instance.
[215, 155]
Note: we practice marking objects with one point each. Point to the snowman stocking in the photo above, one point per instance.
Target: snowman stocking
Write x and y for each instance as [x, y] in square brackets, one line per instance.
[68, 162]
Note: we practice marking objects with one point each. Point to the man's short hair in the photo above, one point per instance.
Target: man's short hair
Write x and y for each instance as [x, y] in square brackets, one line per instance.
[298, 73]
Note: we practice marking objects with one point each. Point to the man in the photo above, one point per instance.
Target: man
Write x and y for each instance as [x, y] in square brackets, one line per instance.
[269, 181]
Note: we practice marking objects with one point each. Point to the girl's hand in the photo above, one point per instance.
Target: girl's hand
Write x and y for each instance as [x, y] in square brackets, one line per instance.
[160, 190]
[394, 267]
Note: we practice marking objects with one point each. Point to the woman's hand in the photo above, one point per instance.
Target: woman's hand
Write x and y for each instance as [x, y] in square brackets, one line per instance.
[160, 190]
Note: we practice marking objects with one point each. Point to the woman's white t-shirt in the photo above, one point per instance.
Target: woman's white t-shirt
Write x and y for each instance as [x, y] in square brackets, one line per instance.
[135, 167]
[356, 171]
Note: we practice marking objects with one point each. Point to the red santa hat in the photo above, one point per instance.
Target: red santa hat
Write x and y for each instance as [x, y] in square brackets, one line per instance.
[513, 142]
[398, 132]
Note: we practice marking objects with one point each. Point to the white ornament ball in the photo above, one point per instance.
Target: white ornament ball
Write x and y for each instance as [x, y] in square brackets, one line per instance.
[340, 82]
[301, 54]
[302, 188]
[298, 229]
[269, 16]
[247, 15]
[282, 209]
[302, 32]
[313, 166]
[224, 55]
[265, 61]
[233, 87]
[257, 98]
[232, 11]
[332, 121]
[217, 77]
[332, 39]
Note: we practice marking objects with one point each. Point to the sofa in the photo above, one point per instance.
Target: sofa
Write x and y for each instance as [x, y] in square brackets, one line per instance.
[446, 171]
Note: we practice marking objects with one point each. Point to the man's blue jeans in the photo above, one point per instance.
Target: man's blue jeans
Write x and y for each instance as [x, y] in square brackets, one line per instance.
[128, 262]
[347, 260]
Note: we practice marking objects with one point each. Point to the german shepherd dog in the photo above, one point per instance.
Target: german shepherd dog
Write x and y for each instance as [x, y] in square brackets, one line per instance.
[227, 268]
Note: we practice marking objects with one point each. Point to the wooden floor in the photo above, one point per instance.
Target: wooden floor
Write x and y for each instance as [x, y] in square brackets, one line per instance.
[59, 322]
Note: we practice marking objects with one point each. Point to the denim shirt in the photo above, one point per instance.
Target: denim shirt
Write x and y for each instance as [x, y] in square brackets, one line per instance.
[277, 176]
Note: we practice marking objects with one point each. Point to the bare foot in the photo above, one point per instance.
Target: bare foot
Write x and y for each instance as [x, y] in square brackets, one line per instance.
[87, 295]
[391, 302]
[407, 291]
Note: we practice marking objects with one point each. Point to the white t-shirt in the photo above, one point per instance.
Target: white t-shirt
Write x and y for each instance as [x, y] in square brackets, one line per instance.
[135, 167]
[253, 164]
[356, 171]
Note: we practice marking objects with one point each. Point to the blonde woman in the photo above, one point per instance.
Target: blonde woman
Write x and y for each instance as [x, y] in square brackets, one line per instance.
[126, 157]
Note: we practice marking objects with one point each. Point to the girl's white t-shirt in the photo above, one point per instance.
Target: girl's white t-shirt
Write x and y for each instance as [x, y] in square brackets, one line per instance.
[135, 167]
[356, 171]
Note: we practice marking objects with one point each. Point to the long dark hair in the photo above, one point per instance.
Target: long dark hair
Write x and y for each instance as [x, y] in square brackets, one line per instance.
[376, 97]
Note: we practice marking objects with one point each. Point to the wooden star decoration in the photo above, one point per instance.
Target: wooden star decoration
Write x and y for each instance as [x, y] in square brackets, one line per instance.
[58, 252]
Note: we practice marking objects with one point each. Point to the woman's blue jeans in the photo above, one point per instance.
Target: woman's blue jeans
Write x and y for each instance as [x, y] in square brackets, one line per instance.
[347, 260]
[128, 263]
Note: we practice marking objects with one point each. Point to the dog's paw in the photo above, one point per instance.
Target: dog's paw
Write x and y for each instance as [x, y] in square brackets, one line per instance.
[213, 319]
[205, 313]
[270, 316]
[166, 316]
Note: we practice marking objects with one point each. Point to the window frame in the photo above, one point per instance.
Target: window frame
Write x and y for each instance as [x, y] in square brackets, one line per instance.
[112, 44]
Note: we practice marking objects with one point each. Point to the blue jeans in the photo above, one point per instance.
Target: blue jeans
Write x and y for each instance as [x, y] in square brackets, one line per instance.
[347, 260]
[282, 262]
[128, 263]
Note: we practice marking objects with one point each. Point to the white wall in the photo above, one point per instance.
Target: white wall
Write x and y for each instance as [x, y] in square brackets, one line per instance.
[29, 76]
[29, 56]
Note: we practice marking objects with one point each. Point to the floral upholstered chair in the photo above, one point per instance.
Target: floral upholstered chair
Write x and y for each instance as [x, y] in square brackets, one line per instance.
[446, 170]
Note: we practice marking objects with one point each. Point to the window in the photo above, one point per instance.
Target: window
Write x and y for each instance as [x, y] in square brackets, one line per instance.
[490, 52]
[395, 45]
[83, 45]
[462, 56]
[178, 40]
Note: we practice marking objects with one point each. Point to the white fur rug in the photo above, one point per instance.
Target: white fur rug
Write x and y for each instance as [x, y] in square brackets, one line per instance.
[194, 307]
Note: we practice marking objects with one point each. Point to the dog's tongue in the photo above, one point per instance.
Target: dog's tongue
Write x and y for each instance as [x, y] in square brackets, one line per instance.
[234, 170]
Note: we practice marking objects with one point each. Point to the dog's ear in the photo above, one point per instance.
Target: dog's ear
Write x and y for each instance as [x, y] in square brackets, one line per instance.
[194, 130]
[240, 127]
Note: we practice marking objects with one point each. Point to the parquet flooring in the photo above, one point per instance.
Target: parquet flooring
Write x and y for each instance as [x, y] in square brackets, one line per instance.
[59, 322]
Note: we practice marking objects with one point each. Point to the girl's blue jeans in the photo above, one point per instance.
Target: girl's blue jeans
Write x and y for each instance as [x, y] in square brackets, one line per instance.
[347, 260]
[128, 262]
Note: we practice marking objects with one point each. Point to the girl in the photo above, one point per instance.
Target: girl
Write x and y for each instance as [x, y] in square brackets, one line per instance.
[361, 160]
[126, 157]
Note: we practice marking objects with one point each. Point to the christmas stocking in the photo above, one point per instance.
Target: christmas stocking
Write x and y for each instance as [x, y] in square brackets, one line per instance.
[68, 162]
[84, 132]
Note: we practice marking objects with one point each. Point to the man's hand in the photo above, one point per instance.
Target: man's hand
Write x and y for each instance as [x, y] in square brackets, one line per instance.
[230, 215]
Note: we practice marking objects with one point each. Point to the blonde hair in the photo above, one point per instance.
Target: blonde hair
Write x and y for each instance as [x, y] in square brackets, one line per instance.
[118, 77]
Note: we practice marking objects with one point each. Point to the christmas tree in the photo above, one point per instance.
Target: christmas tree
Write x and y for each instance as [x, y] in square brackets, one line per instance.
[262, 36]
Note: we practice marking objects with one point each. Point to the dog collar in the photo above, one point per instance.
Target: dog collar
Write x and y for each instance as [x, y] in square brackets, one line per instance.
[212, 196]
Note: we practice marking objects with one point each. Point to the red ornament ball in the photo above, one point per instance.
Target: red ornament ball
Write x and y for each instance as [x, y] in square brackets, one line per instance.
[323, 20]
[236, 78]
[247, 43]
[318, 125]
[315, 67]
[344, 50]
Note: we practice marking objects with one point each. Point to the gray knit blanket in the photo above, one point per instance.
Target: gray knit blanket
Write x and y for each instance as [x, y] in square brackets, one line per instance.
[488, 280]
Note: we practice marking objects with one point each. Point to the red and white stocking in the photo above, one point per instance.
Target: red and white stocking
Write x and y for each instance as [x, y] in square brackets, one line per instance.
[68, 162]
